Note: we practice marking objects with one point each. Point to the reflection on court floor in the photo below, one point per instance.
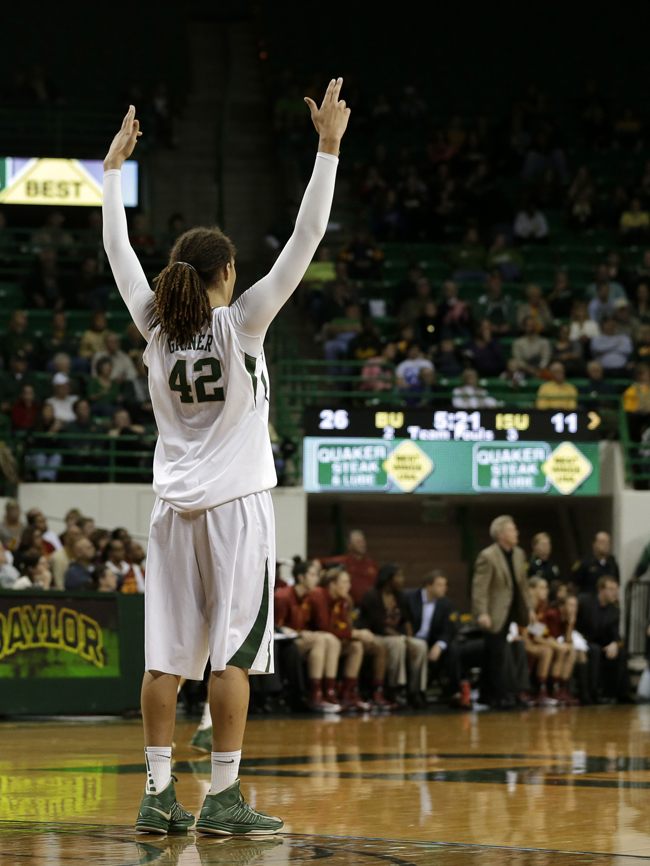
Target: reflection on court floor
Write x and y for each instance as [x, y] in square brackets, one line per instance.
[508, 787]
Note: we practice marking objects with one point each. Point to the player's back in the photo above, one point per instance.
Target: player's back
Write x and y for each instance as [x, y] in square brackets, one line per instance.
[211, 404]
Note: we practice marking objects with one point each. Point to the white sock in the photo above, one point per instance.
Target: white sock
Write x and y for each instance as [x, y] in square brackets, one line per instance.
[159, 767]
[225, 769]
[206, 718]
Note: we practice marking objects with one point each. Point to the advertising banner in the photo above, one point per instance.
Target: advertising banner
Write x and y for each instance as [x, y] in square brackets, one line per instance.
[407, 466]
[61, 182]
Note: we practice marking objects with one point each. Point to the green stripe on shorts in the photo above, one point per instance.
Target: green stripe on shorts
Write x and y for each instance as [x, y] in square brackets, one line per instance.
[245, 655]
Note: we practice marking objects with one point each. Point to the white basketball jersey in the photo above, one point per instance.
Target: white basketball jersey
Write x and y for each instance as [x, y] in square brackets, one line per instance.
[211, 402]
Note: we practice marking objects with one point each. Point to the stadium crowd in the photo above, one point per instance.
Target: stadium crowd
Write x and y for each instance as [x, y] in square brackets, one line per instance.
[349, 636]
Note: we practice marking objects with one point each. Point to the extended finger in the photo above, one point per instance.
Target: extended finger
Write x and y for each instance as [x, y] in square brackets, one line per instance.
[312, 105]
[328, 92]
[337, 89]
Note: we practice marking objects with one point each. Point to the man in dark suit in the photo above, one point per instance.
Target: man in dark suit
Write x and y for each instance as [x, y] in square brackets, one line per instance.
[500, 595]
[599, 563]
[431, 612]
[598, 622]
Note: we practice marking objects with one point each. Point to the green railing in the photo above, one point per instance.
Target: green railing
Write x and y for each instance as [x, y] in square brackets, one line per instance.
[636, 455]
[96, 457]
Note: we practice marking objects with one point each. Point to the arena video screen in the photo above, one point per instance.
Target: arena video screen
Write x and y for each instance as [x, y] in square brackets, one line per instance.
[61, 182]
[451, 451]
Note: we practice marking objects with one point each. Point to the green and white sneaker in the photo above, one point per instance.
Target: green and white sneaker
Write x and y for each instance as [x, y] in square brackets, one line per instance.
[162, 813]
[202, 740]
[228, 814]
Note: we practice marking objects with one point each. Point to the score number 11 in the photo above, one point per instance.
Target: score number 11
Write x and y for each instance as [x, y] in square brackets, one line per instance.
[561, 422]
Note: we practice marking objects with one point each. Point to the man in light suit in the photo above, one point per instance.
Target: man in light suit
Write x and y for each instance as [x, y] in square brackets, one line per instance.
[500, 595]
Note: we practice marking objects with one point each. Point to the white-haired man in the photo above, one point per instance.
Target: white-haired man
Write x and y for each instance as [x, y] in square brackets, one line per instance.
[500, 595]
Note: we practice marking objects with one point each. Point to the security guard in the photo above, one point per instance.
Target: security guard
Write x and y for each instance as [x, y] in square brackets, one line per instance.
[600, 563]
[540, 563]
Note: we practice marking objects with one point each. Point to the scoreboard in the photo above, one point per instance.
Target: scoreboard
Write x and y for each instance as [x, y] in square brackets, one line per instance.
[451, 451]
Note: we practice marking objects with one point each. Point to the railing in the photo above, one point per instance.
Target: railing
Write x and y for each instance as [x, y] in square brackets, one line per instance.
[637, 609]
[96, 457]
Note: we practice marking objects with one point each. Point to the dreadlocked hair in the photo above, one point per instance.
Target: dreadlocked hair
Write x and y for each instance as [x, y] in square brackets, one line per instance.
[196, 262]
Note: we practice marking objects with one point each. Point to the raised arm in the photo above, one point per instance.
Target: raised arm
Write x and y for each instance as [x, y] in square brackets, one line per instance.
[127, 270]
[254, 311]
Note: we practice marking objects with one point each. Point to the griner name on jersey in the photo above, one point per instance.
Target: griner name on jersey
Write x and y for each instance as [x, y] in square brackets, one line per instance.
[195, 343]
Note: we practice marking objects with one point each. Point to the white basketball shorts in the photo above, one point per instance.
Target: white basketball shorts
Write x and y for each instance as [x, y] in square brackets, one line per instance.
[209, 587]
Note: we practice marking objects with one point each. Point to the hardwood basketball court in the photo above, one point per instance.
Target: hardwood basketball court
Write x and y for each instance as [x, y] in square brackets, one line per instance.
[559, 785]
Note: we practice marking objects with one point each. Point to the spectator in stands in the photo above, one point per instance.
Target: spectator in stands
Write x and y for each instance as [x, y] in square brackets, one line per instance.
[468, 259]
[322, 649]
[602, 305]
[611, 349]
[568, 352]
[385, 611]
[330, 611]
[537, 308]
[408, 372]
[454, 315]
[45, 287]
[25, 410]
[598, 620]
[88, 289]
[485, 351]
[137, 399]
[79, 574]
[641, 346]
[83, 425]
[414, 307]
[530, 226]
[142, 241]
[103, 390]
[52, 234]
[114, 557]
[31, 539]
[51, 540]
[636, 402]
[634, 225]
[469, 395]
[122, 367]
[560, 299]
[123, 426]
[94, 339]
[367, 343]
[11, 528]
[582, 214]
[46, 465]
[447, 360]
[60, 339]
[557, 393]
[34, 572]
[500, 595]
[341, 332]
[362, 256]
[71, 518]
[377, 374]
[407, 287]
[15, 380]
[431, 613]
[495, 307]
[100, 539]
[17, 341]
[604, 278]
[540, 563]
[583, 328]
[61, 559]
[362, 569]
[506, 259]
[532, 351]
[625, 324]
[62, 401]
[599, 563]
[104, 580]
[9, 574]
[62, 363]
[597, 385]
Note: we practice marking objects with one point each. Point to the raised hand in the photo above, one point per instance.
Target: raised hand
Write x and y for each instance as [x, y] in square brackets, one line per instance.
[331, 119]
[124, 142]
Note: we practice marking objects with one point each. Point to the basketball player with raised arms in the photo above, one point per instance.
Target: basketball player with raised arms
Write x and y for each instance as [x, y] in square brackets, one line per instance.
[211, 555]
